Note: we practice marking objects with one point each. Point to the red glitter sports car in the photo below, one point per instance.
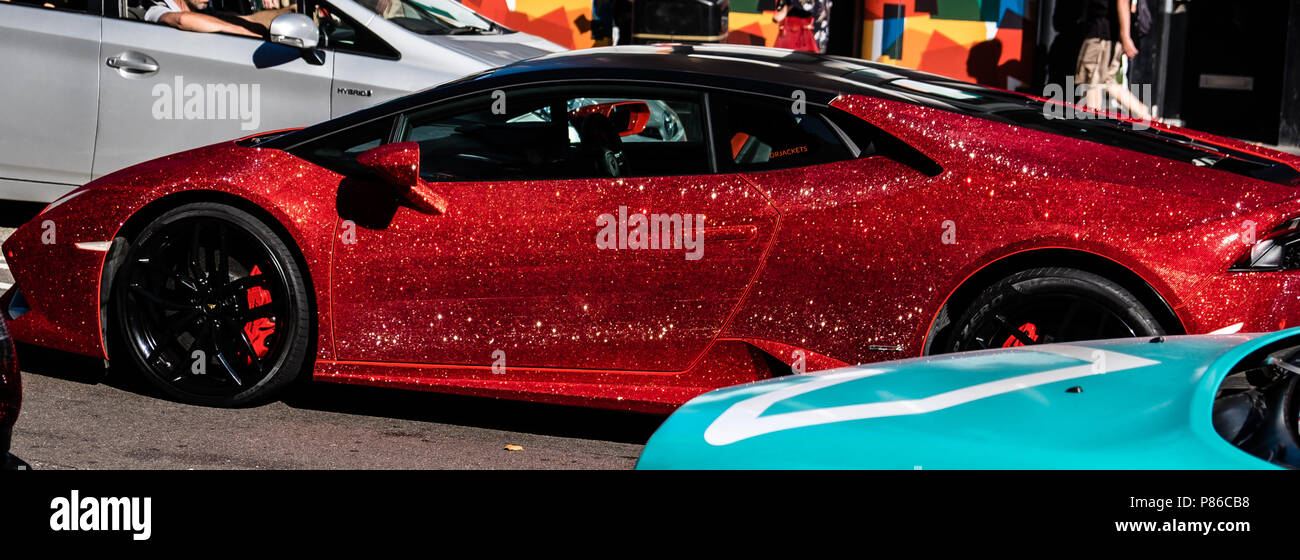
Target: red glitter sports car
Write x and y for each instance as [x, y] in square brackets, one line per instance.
[631, 227]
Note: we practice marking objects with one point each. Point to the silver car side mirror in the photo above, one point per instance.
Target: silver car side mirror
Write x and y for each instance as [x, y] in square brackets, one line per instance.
[295, 30]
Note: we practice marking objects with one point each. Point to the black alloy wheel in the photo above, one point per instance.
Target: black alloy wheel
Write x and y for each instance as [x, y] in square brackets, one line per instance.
[1046, 305]
[212, 307]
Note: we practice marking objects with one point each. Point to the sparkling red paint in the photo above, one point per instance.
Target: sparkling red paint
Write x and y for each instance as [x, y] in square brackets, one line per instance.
[842, 262]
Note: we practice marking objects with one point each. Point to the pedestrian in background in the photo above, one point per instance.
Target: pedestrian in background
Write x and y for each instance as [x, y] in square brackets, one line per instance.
[797, 18]
[1108, 37]
[822, 24]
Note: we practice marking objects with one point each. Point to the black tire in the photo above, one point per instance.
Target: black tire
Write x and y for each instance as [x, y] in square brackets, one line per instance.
[211, 306]
[1045, 305]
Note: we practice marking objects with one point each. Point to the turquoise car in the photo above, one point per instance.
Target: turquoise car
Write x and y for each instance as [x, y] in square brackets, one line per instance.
[1178, 402]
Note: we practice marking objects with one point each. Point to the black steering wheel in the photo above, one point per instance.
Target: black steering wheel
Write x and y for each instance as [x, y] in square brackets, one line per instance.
[601, 142]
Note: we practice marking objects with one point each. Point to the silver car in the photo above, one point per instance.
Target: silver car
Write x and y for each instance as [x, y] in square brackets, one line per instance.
[88, 87]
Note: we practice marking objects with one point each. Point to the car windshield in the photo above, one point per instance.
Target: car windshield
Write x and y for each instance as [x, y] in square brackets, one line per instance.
[432, 17]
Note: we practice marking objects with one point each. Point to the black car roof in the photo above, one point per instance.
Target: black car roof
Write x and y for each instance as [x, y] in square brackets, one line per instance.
[742, 67]
[714, 64]
[751, 69]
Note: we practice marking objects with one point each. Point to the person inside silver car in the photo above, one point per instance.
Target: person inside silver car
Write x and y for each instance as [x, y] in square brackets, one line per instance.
[185, 15]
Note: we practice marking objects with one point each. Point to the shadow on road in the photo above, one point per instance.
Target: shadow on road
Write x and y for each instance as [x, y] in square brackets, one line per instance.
[496, 414]
[80, 369]
[61, 365]
[15, 213]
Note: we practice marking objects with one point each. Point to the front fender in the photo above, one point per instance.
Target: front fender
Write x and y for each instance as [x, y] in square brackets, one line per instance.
[58, 258]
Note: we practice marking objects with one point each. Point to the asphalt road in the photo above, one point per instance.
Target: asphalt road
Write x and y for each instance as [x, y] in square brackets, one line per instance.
[76, 415]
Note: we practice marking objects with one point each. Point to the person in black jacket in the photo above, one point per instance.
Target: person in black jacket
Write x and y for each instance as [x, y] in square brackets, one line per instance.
[1063, 55]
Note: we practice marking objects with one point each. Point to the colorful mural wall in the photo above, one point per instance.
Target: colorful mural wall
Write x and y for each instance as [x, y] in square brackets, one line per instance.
[563, 22]
[751, 22]
[974, 40]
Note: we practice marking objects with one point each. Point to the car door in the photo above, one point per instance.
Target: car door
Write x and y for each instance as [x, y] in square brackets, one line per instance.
[163, 90]
[849, 223]
[47, 96]
[368, 67]
[535, 260]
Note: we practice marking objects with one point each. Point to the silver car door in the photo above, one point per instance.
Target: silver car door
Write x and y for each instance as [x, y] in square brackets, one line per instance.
[48, 88]
[164, 90]
[376, 60]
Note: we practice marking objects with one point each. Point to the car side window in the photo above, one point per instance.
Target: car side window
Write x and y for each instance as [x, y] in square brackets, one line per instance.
[555, 133]
[135, 9]
[338, 151]
[225, 17]
[758, 134]
[344, 34]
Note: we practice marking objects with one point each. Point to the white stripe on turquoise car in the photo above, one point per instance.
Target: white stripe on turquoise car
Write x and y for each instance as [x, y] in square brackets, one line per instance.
[744, 419]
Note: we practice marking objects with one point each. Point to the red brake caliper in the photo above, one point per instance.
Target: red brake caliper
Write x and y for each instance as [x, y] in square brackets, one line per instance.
[258, 329]
[1031, 332]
